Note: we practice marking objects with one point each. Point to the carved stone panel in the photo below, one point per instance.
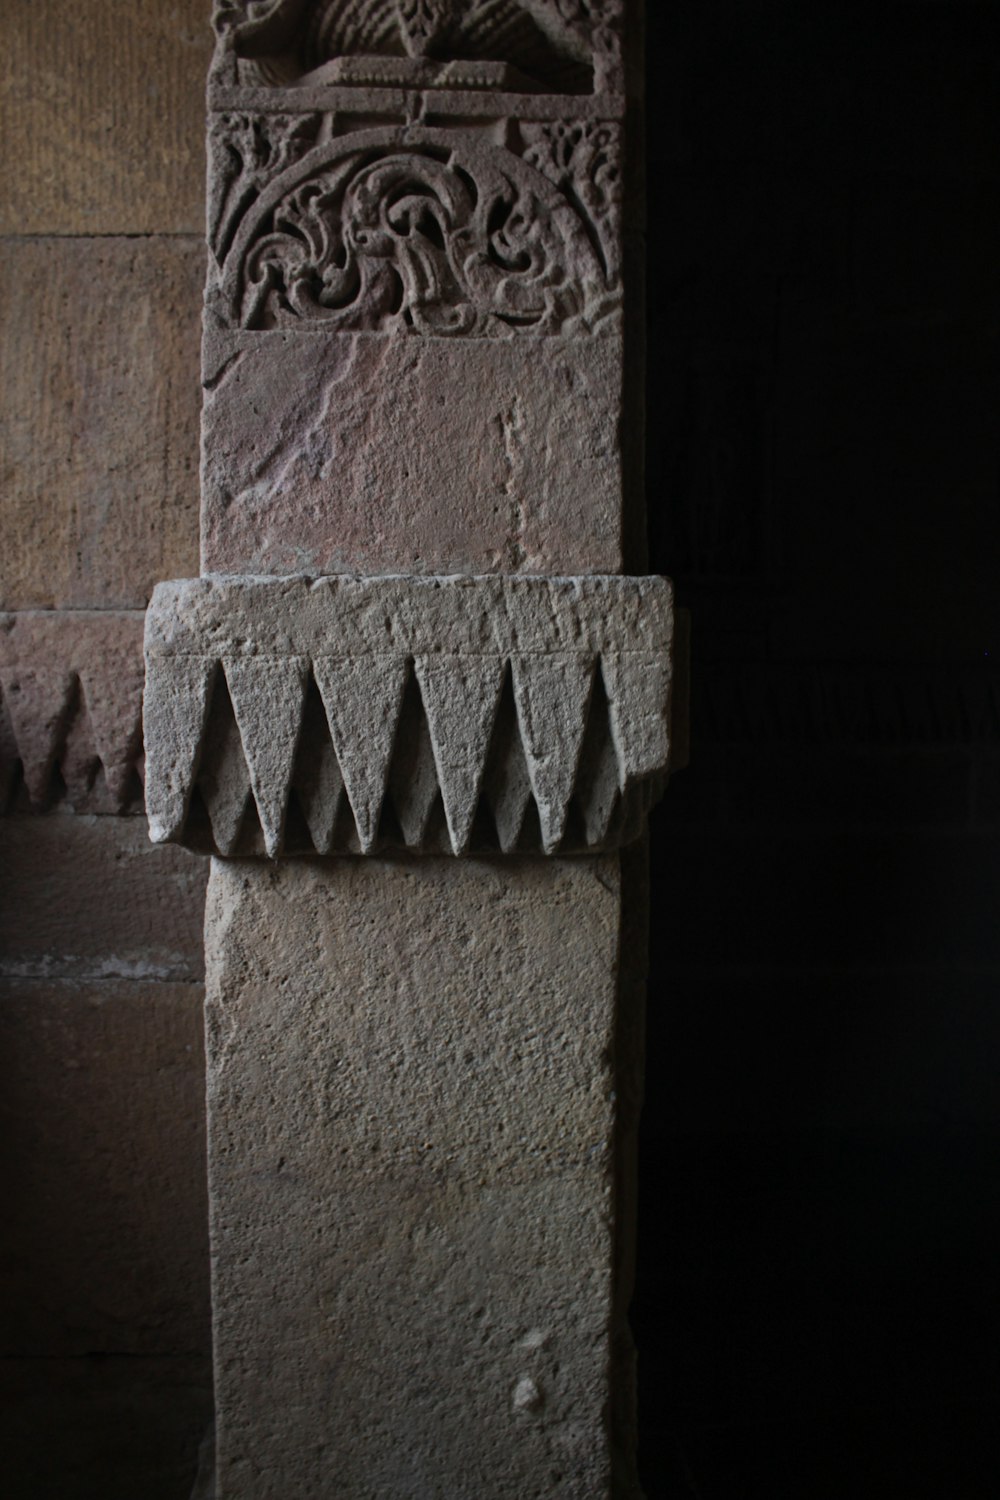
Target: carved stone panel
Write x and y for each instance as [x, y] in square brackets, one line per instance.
[425, 232]
[449, 715]
[443, 173]
[524, 46]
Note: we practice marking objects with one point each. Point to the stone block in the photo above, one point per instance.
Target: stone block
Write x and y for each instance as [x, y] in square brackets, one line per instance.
[71, 703]
[341, 453]
[351, 708]
[98, 445]
[102, 114]
[89, 898]
[103, 1244]
[412, 1086]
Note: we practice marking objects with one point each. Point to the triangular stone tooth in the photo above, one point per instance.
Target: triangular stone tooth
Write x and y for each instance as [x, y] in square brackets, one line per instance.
[175, 711]
[79, 761]
[267, 695]
[320, 788]
[362, 697]
[112, 695]
[552, 693]
[413, 777]
[507, 785]
[597, 790]
[223, 778]
[40, 701]
[638, 688]
[460, 696]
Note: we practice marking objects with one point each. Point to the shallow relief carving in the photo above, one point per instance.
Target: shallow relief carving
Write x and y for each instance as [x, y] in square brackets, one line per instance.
[532, 46]
[448, 715]
[415, 231]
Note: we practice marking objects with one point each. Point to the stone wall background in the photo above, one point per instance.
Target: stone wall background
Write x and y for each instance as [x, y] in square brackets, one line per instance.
[818, 1310]
[105, 1381]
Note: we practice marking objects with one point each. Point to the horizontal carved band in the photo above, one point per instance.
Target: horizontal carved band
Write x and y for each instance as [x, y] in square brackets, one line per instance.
[71, 709]
[417, 231]
[569, 46]
[346, 715]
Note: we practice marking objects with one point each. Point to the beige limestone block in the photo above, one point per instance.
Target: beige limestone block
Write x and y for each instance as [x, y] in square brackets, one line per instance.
[374, 453]
[555, 690]
[90, 898]
[103, 1238]
[99, 427]
[102, 116]
[412, 1083]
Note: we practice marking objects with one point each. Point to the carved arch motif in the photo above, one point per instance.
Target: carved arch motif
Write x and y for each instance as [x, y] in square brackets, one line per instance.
[428, 234]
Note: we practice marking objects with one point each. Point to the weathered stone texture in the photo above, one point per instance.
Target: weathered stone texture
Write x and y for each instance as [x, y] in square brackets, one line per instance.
[98, 442]
[412, 1081]
[340, 453]
[102, 114]
[103, 1240]
[89, 898]
[529, 713]
[71, 708]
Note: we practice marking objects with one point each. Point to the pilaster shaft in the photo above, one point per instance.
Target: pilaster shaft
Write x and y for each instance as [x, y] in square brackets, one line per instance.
[417, 716]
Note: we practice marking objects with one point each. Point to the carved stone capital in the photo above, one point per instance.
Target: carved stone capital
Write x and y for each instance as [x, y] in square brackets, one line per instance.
[440, 715]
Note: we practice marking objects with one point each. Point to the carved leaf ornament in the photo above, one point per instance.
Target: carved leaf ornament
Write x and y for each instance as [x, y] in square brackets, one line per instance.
[563, 45]
[418, 235]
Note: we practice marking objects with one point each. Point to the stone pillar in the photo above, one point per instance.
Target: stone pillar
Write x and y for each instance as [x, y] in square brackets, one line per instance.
[416, 713]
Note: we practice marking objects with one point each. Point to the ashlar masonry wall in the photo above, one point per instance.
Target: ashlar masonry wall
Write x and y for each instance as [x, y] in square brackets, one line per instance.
[105, 1384]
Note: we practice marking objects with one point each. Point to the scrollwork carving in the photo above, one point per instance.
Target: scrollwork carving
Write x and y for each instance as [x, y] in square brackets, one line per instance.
[583, 158]
[248, 152]
[425, 236]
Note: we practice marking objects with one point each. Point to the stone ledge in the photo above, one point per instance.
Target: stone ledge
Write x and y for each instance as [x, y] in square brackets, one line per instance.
[442, 715]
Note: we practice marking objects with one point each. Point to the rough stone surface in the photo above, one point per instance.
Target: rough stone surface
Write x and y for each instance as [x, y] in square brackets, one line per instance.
[412, 1084]
[103, 1241]
[339, 453]
[103, 105]
[89, 898]
[98, 440]
[529, 691]
[71, 708]
[422, 1073]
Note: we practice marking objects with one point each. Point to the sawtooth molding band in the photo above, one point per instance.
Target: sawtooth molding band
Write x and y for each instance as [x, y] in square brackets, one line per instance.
[347, 715]
[71, 709]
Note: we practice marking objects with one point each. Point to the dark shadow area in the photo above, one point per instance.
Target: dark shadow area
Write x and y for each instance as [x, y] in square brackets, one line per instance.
[818, 1307]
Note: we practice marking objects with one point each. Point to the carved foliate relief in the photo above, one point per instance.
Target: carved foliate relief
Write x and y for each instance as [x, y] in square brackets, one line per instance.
[247, 152]
[543, 46]
[417, 231]
[583, 158]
